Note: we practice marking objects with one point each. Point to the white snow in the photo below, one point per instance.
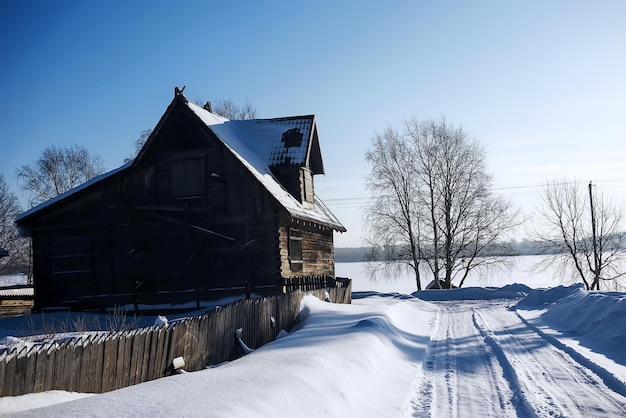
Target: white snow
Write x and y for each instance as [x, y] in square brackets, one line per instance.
[10, 404]
[509, 351]
[13, 279]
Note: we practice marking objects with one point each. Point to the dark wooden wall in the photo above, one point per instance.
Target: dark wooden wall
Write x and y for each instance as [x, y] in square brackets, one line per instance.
[186, 223]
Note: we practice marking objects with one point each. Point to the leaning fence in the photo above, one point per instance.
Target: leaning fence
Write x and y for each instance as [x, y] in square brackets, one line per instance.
[106, 361]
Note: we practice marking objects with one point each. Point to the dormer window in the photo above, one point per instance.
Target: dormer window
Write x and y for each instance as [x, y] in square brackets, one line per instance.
[188, 176]
[292, 138]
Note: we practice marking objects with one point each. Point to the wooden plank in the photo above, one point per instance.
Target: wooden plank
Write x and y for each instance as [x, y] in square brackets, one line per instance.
[210, 330]
[164, 358]
[138, 356]
[75, 364]
[174, 343]
[3, 364]
[155, 340]
[97, 361]
[87, 377]
[50, 360]
[128, 347]
[157, 371]
[9, 376]
[20, 373]
[31, 370]
[189, 355]
[147, 359]
[109, 373]
[203, 337]
[196, 345]
[39, 369]
[72, 371]
[58, 381]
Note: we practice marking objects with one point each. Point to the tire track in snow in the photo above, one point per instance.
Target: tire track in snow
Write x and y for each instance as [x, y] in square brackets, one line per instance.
[543, 376]
[461, 376]
[612, 382]
[519, 397]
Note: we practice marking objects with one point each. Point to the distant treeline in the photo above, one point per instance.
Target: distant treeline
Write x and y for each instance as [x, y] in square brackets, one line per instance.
[511, 248]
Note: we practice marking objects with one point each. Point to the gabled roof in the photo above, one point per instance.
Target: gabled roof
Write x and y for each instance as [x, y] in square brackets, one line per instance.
[258, 143]
[284, 141]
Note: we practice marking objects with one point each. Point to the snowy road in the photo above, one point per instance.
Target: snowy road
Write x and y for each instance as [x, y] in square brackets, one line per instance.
[484, 360]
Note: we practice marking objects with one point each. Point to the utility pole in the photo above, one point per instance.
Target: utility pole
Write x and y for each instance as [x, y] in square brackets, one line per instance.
[596, 267]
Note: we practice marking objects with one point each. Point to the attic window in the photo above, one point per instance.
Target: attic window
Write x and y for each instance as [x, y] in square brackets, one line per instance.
[292, 138]
[188, 177]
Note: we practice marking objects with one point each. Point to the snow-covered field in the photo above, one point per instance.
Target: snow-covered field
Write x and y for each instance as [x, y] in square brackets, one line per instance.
[508, 351]
[521, 272]
[13, 279]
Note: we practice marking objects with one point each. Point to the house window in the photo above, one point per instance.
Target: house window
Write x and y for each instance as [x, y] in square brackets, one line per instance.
[295, 249]
[188, 177]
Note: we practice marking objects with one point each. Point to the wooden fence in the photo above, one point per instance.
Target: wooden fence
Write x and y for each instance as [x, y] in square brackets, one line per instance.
[106, 361]
[291, 284]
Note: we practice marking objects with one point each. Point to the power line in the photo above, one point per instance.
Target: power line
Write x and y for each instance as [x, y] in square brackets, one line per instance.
[511, 191]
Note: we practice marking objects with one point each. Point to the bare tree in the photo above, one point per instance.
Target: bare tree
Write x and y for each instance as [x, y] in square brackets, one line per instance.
[139, 143]
[228, 109]
[446, 190]
[58, 170]
[18, 247]
[393, 218]
[581, 238]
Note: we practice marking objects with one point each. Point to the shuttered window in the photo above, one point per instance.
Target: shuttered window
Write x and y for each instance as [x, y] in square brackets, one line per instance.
[295, 249]
[188, 177]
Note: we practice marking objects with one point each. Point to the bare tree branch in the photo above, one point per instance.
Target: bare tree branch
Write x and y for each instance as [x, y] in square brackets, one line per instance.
[564, 228]
[228, 109]
[18, 247]
[57, 171]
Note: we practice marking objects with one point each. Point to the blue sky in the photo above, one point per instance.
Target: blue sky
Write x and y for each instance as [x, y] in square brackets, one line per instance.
[541, 84]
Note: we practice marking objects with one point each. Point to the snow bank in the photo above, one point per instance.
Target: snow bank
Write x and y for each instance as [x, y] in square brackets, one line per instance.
[9, 404]
[595, 318]
[540, 298]
[512, 291]
[341, 360]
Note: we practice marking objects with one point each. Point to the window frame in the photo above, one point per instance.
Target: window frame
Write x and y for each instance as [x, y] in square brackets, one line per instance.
[294, 248]
[184, 189]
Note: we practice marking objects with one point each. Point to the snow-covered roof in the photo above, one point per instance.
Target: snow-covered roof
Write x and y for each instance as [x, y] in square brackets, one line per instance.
[256, 143]
[16, 291]
[73, 191]
[259, 144]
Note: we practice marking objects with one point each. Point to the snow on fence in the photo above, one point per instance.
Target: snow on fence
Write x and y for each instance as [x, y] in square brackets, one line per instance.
[105, 361]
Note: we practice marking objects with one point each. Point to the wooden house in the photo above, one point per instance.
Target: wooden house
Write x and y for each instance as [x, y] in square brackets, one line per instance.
[209, 208]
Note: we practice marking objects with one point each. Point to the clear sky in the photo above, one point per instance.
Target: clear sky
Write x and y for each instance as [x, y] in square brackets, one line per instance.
[541, 84]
